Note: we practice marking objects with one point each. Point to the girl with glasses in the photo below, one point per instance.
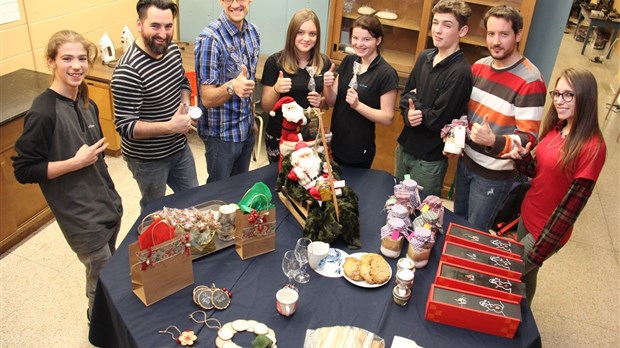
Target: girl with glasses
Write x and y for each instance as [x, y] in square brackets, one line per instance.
[564, 166]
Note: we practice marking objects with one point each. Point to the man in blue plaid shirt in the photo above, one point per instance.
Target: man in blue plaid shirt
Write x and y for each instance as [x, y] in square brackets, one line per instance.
[226, 57]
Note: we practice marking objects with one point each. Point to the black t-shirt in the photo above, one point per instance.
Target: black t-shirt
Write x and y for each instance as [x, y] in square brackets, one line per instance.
[299, 89]
[353, 134]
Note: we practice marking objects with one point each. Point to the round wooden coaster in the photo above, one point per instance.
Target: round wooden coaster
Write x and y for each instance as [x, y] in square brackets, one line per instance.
[219, 343]
[231, 344]
[226, 334]
[251, 324]
[229, 326]
[240, 325]
[261, 329]
[220, 299]
[272, 336]
[204, 299]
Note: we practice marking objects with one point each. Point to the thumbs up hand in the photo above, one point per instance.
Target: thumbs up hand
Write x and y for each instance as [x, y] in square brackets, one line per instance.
[243, 86]
[482, 134]
[414, 116]
[283, 84]
[329, 77]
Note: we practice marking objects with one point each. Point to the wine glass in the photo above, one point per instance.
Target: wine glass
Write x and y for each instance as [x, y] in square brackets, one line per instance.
[290, 267]
[301, 252]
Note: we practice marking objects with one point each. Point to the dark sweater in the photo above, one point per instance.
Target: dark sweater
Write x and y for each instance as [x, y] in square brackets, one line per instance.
[86, 205]
[442, 93]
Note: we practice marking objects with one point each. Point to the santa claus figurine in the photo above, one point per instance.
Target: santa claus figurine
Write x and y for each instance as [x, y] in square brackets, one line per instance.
[308, 171]
[293, 118]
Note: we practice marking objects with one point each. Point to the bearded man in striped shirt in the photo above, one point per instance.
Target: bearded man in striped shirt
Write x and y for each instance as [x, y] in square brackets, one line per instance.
[151, 94]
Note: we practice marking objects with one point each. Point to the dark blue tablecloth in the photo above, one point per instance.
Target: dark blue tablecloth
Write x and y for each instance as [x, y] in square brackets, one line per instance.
[120, 319]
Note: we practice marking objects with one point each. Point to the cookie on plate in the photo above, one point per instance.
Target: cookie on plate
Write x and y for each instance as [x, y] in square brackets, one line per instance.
[379, 270]
[351, 268]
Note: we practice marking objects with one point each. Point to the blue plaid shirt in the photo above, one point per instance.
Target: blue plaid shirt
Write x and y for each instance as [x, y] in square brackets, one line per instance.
[220, 51]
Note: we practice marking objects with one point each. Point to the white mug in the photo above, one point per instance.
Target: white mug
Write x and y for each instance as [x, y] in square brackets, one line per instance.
[317, 251]
[286, 301]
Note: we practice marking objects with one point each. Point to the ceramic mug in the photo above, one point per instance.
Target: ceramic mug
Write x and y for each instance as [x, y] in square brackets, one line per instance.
[286, 301]
[317, 251]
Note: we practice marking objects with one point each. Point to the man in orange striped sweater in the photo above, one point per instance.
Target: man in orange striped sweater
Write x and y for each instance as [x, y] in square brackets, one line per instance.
[506, 106]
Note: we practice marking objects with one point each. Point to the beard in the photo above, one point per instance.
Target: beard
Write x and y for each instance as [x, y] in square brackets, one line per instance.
[154, 46]
[504, 53]
[310, 165]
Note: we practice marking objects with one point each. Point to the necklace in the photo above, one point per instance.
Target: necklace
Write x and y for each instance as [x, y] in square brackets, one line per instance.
[562, 136]
[186, 338]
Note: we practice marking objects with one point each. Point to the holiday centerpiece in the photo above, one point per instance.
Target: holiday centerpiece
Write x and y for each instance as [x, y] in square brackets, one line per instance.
[309, 182]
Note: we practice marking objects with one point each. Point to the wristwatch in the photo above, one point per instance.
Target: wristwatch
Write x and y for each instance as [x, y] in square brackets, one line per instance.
[229, 88]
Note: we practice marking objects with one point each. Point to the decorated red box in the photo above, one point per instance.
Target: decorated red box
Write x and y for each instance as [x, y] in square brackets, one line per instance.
[487, 284]
[473, 311]
[484, 241]
[481, 260]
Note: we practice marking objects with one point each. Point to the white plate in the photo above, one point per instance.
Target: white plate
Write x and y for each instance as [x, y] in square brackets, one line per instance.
[387, 15]
[331, 266]
[363, 283]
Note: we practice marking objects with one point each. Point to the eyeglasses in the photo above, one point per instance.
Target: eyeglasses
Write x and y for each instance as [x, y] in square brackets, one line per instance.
[566, 96]
[240, 2]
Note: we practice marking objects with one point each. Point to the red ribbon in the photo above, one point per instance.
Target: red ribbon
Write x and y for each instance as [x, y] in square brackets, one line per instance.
[258, 221]
[187, 244]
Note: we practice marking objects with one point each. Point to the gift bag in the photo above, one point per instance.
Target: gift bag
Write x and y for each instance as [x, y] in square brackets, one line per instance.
[160, 270]
[255, 232]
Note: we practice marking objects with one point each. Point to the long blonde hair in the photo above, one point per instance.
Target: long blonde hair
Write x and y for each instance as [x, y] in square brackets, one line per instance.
[288, 56]
[69, 36]
[585, 121]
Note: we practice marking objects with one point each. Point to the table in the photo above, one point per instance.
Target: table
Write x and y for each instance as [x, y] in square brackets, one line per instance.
[120, 319]
[596, 22]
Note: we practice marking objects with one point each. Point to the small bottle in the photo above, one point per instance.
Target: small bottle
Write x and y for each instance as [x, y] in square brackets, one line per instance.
[401, 295]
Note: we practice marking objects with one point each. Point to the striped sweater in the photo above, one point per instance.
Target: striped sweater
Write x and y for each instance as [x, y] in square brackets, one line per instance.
[148, 89]
[512, 99]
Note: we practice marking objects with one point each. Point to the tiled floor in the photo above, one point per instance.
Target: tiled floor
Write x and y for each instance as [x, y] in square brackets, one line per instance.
[42, 301]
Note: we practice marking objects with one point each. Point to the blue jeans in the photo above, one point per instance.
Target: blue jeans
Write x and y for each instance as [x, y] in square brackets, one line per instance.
[227, 158]
[428, 174]
[478, 199]
[177, 171]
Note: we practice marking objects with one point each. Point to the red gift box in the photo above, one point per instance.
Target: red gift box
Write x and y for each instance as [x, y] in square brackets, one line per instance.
[484, 241]
[487, 284]
[481, 260]
[472, 311]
